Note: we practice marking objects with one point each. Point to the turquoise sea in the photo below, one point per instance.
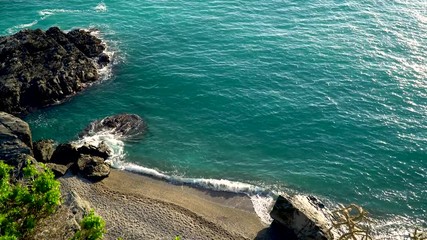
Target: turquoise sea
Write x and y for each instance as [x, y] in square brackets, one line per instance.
[324, 97]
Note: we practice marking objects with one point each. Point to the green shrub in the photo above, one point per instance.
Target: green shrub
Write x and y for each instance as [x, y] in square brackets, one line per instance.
[23, 204]
[92, 228]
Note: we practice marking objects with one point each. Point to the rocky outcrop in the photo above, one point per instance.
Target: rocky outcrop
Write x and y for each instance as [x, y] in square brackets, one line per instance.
[88, 160]
[93, 167]
[15, 139]
[40, 68]
[299, 217]
[101, 150]
[43, 150]
[65, 154]
[124, 125]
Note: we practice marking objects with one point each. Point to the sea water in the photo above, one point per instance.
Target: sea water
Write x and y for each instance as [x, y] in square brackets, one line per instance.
[327, 97]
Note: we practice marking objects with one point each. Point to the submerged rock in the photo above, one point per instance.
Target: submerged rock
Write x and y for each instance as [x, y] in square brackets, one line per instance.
[42, 68]
[300, 217]
[124, 125]
[43, 150]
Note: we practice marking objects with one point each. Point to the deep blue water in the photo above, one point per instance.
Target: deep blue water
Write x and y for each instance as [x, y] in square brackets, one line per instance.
[321, 97]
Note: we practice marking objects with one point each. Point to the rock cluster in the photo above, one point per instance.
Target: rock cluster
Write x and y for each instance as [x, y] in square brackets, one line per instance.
[40, 68]
[16, 148]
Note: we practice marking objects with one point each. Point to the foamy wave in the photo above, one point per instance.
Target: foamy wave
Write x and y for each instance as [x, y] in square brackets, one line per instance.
[262, 199]
[13, 29]
[105, 72]
[114, 143]
[49, 12]
[101, 7]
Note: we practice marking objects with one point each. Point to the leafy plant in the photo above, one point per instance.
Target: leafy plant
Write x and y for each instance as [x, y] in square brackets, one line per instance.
[92, 228]
[24, 203]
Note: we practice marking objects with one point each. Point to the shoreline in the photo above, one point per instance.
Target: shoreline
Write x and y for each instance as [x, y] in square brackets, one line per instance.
[135, 206]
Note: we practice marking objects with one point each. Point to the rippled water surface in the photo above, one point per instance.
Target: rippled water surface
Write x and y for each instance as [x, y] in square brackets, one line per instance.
[322, 97]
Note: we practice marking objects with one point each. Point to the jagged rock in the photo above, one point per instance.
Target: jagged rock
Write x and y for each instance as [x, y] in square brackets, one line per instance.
[125, 125]
[42, 68]
[15, 139]
[103, 59]
[93, 167]
[88, 44]
[65, 154]
[101, 150]
[299, 218]
[43, 150]
[58, 169]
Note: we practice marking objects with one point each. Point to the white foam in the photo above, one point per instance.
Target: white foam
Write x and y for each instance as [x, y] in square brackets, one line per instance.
[261, 198]
[45, 13]
[262, 206]
[101, 7]
[16, 28]
[105, 72]
[114, 143]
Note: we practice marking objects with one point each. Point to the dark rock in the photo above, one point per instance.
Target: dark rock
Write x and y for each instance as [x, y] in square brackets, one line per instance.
[88, 44]
[42, 68]
[299, 216]
[93, 167]
[125, 125]
[58, 169]
[43, 150]
[65, 154]
[15, 139]
[103, 59]
[101, 150]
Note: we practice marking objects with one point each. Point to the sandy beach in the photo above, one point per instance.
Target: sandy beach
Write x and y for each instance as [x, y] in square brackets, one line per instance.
[140, 207]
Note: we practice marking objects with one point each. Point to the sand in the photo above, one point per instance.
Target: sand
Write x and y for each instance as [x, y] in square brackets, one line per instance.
[140, 207]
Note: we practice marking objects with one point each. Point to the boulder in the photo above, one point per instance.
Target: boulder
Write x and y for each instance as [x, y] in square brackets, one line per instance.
[101, 150]
[92, 167]
[103, 59]
[58, 169]
[124, 125]
[15, 139]
[65, 154]
[300, 217]
[43, 150]
[40, 68]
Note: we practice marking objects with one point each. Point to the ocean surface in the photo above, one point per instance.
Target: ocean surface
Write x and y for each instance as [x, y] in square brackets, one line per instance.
[327, 97]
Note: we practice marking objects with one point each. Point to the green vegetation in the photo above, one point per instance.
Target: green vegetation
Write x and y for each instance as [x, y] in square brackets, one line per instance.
[24, 203]
[92, 228]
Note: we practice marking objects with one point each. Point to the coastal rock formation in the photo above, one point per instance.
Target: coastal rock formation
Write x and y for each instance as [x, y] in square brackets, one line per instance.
[101, 150]
[15, 140]
[93, 167]
[43, 150]
[300, 217]
[88, 160]
[40, 68]
[65, 154]
[124, 125]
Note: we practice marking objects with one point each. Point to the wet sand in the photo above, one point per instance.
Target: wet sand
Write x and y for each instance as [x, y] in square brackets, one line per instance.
[139, 207]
